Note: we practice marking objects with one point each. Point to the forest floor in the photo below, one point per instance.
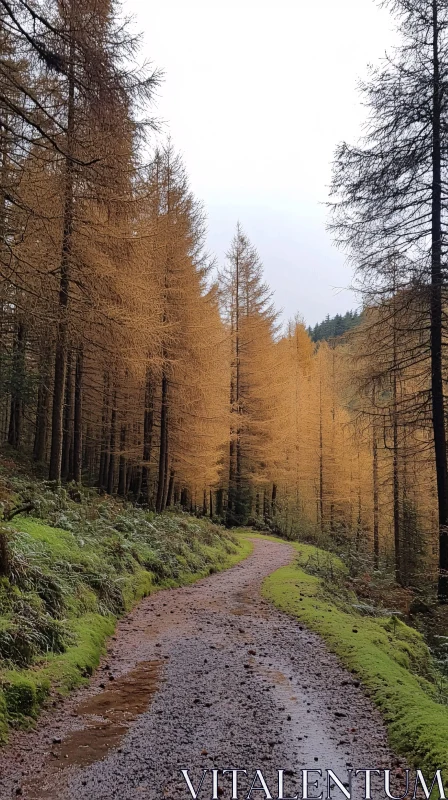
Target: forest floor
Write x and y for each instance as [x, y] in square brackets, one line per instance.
[206, 676]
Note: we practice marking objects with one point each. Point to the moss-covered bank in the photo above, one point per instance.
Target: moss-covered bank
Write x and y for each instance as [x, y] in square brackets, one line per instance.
[73, 572]
[390, 658]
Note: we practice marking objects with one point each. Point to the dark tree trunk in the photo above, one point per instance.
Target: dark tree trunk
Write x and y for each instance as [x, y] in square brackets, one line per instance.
[77, 421]
[42, 415]
[211, 504]
[437, 395]
[359, 518]
[122, 463]
[169, 496]
[321, 462]
[163, 446]
[220, 503]
[60, 365]
[68, 419]
[89, 455]
[112, 446]
[17, 397]
[396, 486]
[136, 483]
[376, 506]
[148, 427]
[166, 474]
[129, 473]
[265, 507]
[232, 485]
[274, 500]
[232, 493]
[376, 496]
[240, 510]
[184, 498]
[104, 455]
[332, 517]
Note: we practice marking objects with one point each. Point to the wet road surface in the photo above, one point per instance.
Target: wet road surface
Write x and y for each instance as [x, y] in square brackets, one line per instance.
[208, 676]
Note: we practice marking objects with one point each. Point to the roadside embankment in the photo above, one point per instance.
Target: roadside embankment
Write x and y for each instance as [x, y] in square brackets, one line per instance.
[390, 658]
[72, 570]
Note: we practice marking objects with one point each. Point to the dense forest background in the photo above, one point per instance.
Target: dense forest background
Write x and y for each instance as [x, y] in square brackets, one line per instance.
[129, 363]
[334, 326]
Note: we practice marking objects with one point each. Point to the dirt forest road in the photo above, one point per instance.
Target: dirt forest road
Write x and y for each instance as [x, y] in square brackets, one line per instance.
[202, 677]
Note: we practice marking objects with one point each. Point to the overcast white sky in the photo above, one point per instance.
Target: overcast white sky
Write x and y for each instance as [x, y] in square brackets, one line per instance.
[257, 94]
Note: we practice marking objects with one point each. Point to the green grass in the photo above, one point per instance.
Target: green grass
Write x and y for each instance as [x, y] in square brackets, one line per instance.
[390, 658]
[71, 580]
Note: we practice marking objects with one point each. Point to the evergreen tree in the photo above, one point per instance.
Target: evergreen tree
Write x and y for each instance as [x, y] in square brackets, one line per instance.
[390, 199]
[248, 310]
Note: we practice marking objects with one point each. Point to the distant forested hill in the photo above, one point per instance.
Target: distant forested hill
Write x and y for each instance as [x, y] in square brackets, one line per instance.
[334, 326]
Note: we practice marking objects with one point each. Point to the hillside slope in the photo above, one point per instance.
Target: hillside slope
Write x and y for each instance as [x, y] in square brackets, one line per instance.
[71, 569]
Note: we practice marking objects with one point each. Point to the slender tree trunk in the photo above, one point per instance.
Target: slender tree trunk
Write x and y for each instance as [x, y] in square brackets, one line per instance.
[104, 455]
[112, 447]
[64, 285]
[163, 446]
[274, 500]
[122, 463]
[232, 471]
[137, 483]
[233, 498]
[238, 506]
[265, 507]
[129, 473]
[376, 507]
[396, 483]
[166, 472]
[148, 426]
[395, 443]
[41, 429]
[4, 171]
[239, 500]
[211, 504]
[184, 499]
[333, 431]
[321, 461]
[220, 503]
[359, 518]
[169, 496]
[407, 539]
[17, 401]
[90, 455]
[43, 409]
[68, 418]
[436, 310]
[77, 422]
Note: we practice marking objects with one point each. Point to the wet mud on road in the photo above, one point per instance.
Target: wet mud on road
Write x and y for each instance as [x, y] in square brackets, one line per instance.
[206, 676]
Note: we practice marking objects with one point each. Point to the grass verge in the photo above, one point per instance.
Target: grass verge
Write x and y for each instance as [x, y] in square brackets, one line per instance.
[390, 658]
[69, 581]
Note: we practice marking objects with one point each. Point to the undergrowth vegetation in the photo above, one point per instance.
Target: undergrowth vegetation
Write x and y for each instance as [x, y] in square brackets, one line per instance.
[71, 569]
[390, 657]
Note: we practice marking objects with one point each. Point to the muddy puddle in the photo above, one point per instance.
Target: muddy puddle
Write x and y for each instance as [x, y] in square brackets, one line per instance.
[106, 717]
[244, 604]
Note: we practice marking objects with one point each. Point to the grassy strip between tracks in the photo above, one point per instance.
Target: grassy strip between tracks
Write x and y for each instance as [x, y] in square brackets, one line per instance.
[390, 658]
[69, 581]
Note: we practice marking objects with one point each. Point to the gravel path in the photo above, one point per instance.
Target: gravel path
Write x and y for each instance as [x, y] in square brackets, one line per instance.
[202, 677]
